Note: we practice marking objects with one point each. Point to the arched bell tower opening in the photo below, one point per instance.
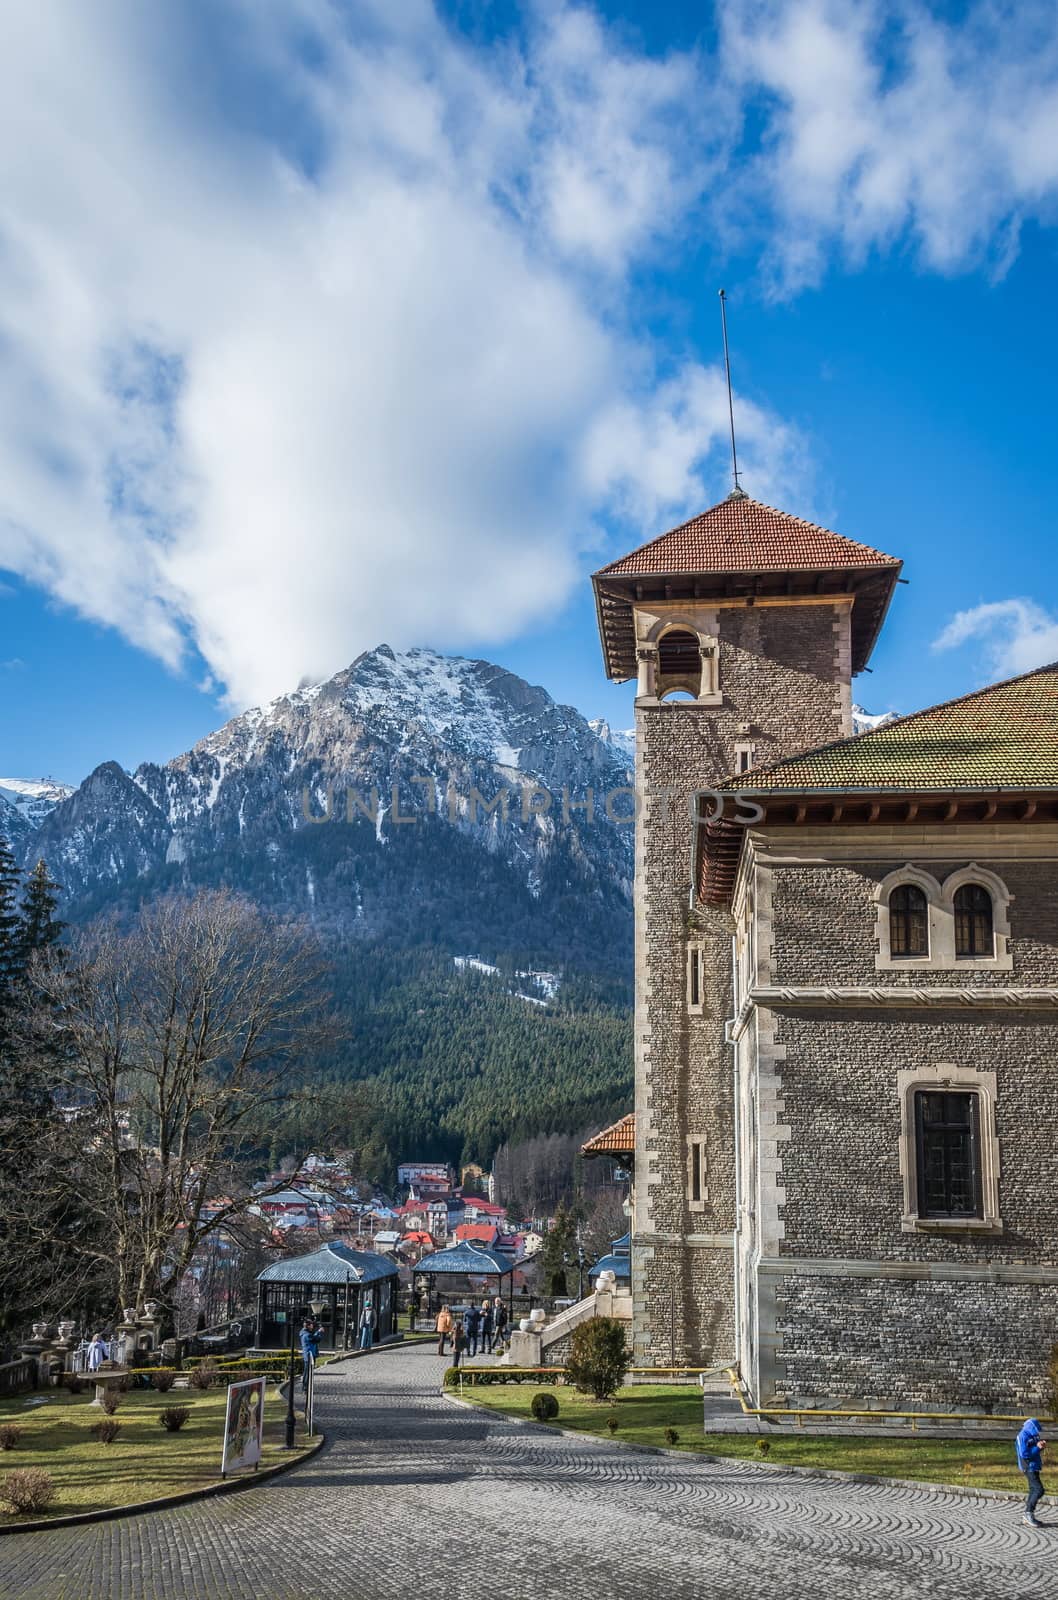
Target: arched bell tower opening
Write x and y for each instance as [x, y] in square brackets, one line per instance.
[678, 661]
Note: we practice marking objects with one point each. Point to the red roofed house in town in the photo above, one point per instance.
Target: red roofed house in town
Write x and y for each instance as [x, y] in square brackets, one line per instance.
[485, 1233]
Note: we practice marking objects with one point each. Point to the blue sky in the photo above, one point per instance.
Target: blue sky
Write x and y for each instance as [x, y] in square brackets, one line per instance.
[328, 324]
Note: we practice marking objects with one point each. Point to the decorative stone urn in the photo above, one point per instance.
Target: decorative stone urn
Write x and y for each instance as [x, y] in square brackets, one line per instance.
[129, 1314]
[524, 1325]
[66, 1331]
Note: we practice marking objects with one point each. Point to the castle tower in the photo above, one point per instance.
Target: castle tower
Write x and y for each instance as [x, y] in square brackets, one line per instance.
[743, 628]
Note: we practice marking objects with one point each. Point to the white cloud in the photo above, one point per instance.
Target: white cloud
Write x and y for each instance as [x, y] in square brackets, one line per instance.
[1016, 636]
[884, 121]
[325, 324]
[355, 368]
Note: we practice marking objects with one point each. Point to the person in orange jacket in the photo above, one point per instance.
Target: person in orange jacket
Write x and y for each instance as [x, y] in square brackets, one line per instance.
[443, 1326]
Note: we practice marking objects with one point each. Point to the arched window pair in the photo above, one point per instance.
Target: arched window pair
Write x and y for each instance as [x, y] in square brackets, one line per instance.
[909, 922]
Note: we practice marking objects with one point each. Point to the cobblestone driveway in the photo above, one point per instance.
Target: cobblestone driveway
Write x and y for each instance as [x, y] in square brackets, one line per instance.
[415, 1497]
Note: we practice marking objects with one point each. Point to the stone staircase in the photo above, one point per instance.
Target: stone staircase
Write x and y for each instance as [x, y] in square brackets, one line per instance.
[548, 1346]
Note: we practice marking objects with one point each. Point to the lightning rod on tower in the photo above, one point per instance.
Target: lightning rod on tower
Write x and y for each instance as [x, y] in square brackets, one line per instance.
[738, 489]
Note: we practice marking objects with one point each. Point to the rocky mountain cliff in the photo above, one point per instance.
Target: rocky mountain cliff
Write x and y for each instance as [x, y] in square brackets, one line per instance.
[412, 795]
[24, 805]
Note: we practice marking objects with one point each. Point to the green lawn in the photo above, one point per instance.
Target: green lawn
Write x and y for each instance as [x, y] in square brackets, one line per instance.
[646, 1410]
[144, 1461]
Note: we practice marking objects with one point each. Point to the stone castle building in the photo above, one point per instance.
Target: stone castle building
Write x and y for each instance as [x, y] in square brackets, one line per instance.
[846, 1112]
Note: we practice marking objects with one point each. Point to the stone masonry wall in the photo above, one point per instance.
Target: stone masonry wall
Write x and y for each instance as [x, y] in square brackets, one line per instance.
[784, 676]
[841, 1162]
[824, 927]
[922, 1345]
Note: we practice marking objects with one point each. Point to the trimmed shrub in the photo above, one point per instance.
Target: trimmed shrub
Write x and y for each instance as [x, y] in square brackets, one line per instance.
[613, 1424]
[671, 1436]
[451, 1378]
[172, 1418]
[106, 1430]
[73, 1382]
[204, 1376]
[10, 1434]
[163, 1379]
[110, 1401]
[763, 1446]
[27, 1489]
[544, 1406]
[598, 1359]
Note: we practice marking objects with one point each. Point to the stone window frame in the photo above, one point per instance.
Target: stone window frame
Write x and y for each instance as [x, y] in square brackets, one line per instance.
[884, 960]
[746, 748]
[1001, 959]
[705, 691]
[697, 1158]
[945, 1075]
[940, 912]
[696, 966]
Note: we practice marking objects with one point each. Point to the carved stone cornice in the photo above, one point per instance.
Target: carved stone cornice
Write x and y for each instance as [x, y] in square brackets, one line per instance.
[934, 996]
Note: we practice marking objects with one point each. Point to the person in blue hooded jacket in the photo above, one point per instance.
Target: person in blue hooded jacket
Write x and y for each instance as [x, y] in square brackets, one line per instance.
[1030, 1459]
[310, 1348]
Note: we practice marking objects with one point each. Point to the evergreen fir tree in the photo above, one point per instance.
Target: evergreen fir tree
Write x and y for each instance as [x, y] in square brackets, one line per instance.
[558, 1254]
[10, 938]
[10, 930]
[40, 927]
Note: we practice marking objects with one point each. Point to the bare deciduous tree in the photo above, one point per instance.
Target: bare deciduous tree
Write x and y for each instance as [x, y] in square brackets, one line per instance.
[176, 1037]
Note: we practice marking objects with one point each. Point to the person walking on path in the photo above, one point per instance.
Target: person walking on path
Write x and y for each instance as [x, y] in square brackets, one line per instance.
[367, 1326]
[443, 1328]
[486, 1327]
[499, 1318]
[310, 1349]
[473, 1327]
[459, 1344]
[1030, 1445]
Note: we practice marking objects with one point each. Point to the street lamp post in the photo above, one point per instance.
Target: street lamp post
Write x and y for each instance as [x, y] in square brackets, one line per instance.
[290, 1371]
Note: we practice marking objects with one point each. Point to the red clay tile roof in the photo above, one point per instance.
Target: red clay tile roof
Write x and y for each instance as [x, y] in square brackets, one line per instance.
[744, 535]
[742, 550]
[482, 1232]
[617, 1140]
[1005, 736]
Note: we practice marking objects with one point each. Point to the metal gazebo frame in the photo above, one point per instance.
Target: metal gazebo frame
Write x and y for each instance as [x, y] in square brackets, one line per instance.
[467, 1260]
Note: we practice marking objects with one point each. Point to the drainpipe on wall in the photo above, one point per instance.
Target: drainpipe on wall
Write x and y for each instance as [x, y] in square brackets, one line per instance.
[699, 820]
[736, 1133]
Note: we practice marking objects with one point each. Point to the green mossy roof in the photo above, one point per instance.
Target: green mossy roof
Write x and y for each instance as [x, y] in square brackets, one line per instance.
[1002, 737]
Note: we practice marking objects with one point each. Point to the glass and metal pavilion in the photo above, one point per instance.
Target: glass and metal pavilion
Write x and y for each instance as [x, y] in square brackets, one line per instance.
[333, 1284]
[618, 1261]
[473, 1264]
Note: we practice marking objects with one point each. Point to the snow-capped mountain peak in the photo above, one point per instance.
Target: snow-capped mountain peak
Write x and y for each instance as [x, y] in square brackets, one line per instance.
[622, 740]
[864, 722]
[33, 798]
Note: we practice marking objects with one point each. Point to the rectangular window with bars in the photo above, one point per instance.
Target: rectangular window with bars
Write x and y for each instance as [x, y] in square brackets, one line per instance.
[948, 1153]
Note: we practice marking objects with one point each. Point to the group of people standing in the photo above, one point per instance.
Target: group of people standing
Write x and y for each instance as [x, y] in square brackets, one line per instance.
[481, 1328]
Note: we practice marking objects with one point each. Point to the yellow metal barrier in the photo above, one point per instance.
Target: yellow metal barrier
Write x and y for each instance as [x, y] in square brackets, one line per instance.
[914, 1417]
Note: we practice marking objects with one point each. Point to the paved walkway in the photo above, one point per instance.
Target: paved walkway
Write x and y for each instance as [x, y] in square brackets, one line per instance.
[414, 1496]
